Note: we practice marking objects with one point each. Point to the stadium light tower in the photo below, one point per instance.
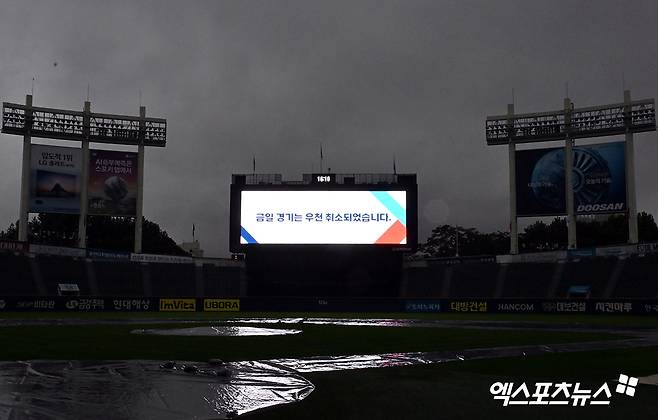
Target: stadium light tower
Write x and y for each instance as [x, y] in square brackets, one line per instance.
[86, 127]
[569, 124]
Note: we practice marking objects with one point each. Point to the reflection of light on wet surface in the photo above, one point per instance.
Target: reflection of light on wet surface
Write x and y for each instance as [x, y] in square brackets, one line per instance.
[142, 389]
[333, 363]
[157, 390]
[218, 331]
[355, 322]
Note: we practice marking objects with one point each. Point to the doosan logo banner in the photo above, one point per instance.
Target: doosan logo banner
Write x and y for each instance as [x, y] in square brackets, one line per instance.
[600, 207]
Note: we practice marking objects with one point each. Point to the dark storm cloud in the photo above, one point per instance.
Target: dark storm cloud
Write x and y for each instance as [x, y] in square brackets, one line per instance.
[369, 80]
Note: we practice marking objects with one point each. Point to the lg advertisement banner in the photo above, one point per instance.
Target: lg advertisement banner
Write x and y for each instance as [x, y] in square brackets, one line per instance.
[112, 188]
[599, 180]
[323, 217]
[55, 179]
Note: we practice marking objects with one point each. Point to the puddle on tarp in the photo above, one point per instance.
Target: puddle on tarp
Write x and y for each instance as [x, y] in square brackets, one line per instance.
[142, 389]
[218, 331]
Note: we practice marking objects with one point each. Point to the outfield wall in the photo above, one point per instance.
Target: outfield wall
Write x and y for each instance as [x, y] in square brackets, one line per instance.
[312, 304]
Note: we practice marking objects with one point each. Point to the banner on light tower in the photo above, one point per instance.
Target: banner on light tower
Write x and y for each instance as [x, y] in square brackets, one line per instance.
[112, 188]
[55, 179]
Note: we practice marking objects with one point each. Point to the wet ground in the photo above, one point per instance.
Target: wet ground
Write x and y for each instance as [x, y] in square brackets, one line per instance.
[218, 331]
[173, 390]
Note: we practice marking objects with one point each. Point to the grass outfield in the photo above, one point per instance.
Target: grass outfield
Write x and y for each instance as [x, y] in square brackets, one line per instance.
[449, 390]
[593, 319]
[97, 342]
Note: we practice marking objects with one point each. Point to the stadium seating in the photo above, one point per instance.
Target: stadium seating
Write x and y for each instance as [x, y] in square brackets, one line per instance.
[221, 282]
[16, 277]
[172, 279]
[639, 278]
[55, 270]
[474, 280]
[345, 275]
[527, 280]
[119, 278]
[593, 272]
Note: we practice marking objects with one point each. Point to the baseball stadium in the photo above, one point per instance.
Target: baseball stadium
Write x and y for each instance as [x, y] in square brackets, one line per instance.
[335, 298]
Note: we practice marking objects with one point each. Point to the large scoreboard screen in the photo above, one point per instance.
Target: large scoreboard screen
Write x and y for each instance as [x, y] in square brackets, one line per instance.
[316, 215]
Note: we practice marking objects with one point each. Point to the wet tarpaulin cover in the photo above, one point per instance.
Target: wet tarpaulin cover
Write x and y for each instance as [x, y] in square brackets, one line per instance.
[142, 389]
[218, 331]
[185, 390]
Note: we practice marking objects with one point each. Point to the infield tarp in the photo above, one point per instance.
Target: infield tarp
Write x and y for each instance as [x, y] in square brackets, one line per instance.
[143, 389]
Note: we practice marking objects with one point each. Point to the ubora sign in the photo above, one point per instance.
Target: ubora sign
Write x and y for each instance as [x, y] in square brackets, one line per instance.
[221, 305]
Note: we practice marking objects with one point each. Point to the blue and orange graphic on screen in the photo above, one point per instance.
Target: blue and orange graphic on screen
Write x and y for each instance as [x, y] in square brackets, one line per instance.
[323, 217]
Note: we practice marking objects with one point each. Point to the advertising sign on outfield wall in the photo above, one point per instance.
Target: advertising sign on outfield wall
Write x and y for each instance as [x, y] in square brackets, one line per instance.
[221, 305]
[154, 258]
[177, 305]
[14, 246]
[61, 251]
[462, 305]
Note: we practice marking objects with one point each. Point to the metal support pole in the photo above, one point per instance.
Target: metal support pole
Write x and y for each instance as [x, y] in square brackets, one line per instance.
[140, 181]
[568, 177]
[25, 177]
[630, 173]
[84, 203]
[514, 232]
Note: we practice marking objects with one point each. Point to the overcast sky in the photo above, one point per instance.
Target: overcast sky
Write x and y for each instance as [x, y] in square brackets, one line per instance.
[368, 79]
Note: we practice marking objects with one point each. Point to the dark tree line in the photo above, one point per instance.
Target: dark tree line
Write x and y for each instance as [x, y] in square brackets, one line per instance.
[448, 240]
[110, 233]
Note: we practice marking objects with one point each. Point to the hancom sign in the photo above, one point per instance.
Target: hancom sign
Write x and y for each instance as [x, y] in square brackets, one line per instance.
[177, 305]
[221, 305]
[599, 180]
[55, 179]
